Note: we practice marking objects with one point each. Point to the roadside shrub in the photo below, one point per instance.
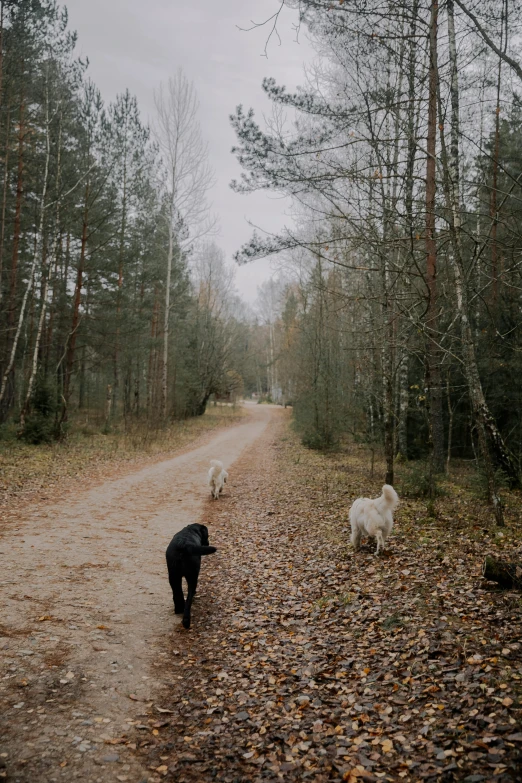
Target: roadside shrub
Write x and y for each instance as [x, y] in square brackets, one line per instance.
[417, 481]
[320, 440]
[478, 483]
[40, 421]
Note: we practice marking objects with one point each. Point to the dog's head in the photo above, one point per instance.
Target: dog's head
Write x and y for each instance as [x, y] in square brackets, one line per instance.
[203, 532]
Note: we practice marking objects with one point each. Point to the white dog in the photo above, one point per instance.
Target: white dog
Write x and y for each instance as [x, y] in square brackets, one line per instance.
[373, 517]
[217, 478]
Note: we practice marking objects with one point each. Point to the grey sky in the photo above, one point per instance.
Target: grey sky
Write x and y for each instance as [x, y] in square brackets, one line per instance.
[136, 44]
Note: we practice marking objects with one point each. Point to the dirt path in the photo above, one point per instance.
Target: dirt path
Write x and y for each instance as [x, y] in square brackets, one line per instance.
[84, 597]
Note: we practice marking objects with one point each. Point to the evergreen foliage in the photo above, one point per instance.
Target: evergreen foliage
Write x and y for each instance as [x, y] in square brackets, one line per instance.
[86, 223]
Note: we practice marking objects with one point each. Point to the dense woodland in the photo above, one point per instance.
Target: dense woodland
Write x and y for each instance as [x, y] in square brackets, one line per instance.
[115, 301]
[395, 317]
[398, 314]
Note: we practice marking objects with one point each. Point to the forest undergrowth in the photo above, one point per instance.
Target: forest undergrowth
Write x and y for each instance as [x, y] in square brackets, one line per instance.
[45, 471]
[309, 662]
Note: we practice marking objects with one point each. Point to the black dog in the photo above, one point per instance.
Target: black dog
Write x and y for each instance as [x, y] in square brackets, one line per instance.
[184, 559]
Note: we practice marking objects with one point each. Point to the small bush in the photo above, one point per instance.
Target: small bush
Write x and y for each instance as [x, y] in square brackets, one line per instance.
[7, 431]
[88, 431]
[431, 509]
[320, 441]
[40, 426]
[38, 429]
[417, 481]
[478, 483]
[393, 621]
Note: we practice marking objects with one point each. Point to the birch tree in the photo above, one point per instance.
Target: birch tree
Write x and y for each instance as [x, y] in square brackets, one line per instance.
[187, 180]
[407, 199]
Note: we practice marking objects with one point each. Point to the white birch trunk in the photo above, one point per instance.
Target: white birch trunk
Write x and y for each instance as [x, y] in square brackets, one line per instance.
[404, 395]
[166, 321]
[36, 255]
[489, 436]
[52, 269]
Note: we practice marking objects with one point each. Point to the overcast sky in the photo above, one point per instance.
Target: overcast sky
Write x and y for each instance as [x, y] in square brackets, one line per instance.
[136, 44]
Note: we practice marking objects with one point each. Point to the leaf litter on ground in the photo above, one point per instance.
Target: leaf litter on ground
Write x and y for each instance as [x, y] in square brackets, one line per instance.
[308, 662]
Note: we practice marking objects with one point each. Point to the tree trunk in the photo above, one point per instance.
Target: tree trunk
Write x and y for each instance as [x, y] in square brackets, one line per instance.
[38, 240]
[17, 219]
[450, 425]
[166, 320]
[11, 307]
[433, 352]
[507, 575]
[494, 184]
[152, 355]
[51, 266]
[201, 406]
[82, 390]
[121, 255]
[52, 312]
[493, 448]
[71, 345]
[108, 406]
[2, 8]
[404, 397]
[389, 452]
[4, 197]
[39, 331]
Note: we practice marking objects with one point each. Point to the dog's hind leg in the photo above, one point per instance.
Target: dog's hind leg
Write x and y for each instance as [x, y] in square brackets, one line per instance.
[192, 582]
[356, 539]
[177, 591]
[380, 541]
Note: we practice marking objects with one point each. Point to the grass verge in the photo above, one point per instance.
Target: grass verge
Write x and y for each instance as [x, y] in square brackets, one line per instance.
[42, 472]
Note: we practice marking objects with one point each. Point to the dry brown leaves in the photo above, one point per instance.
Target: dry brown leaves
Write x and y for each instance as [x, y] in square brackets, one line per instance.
[306, 662]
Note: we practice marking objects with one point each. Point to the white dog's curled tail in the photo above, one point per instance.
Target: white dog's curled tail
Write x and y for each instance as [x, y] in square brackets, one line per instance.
[390, 496]
[215, 463]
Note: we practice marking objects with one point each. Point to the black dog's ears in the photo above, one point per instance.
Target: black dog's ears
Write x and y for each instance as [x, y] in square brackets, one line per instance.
[204, 530]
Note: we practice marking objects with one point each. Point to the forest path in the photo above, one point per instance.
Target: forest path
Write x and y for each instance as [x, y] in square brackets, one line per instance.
[85, 596]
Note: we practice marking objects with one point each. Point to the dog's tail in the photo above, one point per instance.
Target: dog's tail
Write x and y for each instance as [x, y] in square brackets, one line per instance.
[193, 549]
[390, 496]
[215, 463]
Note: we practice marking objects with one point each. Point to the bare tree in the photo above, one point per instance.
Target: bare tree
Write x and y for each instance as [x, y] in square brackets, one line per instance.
[188, 177]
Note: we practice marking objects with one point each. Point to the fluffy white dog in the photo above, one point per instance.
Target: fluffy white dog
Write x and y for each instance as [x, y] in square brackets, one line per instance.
[217, 478]
[373, 517]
